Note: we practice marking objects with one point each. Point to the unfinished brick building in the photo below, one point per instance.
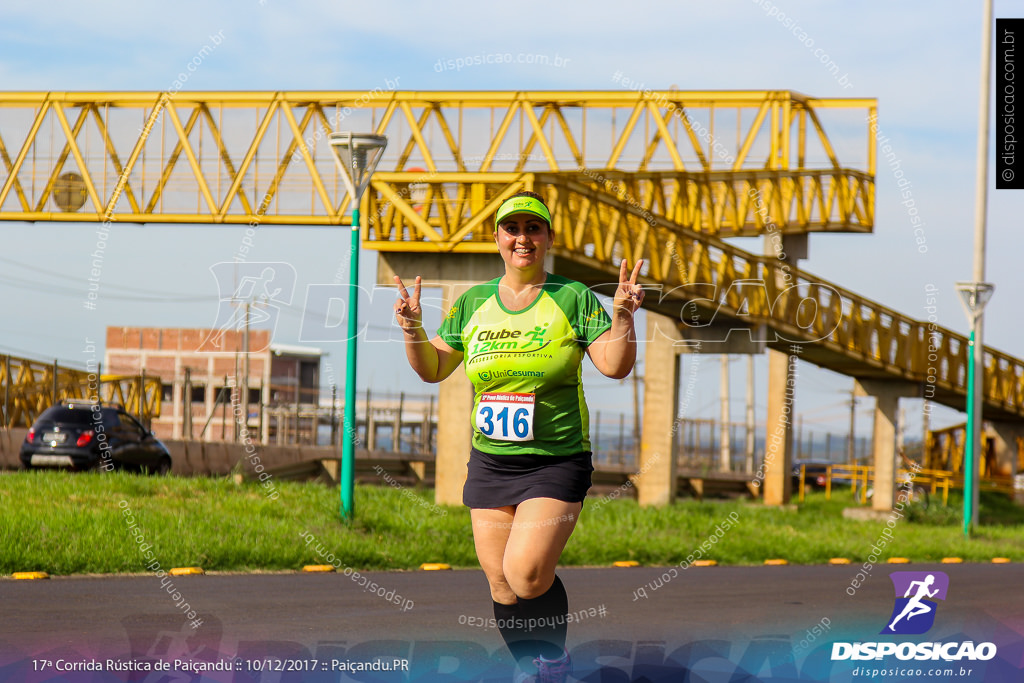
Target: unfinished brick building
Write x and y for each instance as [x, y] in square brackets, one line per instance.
[205, 369]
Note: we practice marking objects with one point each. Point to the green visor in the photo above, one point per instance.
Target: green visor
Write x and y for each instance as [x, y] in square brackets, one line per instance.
[522, 205]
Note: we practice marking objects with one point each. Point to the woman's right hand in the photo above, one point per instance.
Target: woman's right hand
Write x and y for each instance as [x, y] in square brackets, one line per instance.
[408, 312]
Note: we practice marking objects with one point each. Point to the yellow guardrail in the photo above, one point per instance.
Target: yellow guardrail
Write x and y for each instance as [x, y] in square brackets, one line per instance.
[28, 387]
[860, 478]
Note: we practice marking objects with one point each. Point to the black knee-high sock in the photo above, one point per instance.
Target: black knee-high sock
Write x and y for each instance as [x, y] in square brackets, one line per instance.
[547, 614]
[546, 635]
[513, 630]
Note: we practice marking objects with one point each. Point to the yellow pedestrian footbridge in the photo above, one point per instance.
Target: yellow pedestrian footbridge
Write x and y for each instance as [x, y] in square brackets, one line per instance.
[665, 176]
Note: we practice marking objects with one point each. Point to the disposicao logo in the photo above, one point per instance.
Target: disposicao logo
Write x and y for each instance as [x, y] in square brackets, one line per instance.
[913, 613]
[916, 595]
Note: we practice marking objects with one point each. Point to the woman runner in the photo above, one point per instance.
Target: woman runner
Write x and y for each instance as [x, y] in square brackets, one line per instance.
[522, 337]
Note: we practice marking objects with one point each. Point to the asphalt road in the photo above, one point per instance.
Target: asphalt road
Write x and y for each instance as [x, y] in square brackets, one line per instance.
[757, 623]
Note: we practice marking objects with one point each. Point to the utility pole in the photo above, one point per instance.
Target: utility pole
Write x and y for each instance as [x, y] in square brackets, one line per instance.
[901, 423]
[850, 452]
[233, 394]
[800, 437]
[926, 411]
[750, 415]
[636, 414]
[245, 370]
[725, 451]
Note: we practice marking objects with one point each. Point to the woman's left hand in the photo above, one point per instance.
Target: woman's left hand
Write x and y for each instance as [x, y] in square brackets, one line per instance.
[629, 295]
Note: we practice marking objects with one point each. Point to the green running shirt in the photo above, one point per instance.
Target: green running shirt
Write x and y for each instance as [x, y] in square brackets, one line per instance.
[538, 350]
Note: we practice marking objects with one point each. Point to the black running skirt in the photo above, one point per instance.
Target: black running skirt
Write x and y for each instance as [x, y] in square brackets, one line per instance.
[499, 480]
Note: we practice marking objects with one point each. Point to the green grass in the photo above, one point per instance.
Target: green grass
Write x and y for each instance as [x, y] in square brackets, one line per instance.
[65, 523]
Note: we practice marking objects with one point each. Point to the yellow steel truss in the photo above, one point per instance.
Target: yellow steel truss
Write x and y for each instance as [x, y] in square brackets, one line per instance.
[451, 211]
[239, 158]
[29, 387]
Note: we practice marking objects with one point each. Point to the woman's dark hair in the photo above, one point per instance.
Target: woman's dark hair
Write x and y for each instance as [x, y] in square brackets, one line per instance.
[529, 193]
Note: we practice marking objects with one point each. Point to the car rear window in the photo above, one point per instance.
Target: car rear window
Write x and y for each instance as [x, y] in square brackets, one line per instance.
[67, 415]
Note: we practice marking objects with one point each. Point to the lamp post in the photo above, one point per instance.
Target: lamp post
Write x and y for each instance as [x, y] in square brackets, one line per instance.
[356, 155]
[975, 294]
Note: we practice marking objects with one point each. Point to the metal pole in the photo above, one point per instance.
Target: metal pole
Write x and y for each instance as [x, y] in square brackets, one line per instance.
[263, 438]
[396, 446]
[334, 420]
[636, 415]
[245, 370]
[233, 396]
[225, 392]
[186, 427]
[850, 448]
[900, 429]
[724, 454]
[622, 448]
[926, 410]
[428, 442]
[7, 391]
[348, 438]
[141, 398]
[977, 328]
[750, 415]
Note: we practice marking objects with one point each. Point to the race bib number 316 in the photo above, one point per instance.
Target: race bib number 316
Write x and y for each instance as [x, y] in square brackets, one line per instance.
[506, 416]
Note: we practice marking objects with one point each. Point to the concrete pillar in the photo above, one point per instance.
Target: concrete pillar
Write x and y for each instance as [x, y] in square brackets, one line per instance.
[454, 274]
[776, 482]
[775, 473]
[887, 396]
[656, 483]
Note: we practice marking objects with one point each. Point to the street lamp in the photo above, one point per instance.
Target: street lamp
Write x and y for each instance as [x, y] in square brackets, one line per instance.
[974, 296]
[357, 155]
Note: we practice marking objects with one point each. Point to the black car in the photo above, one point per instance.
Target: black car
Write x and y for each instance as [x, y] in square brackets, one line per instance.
[816, 474]
[84, 435]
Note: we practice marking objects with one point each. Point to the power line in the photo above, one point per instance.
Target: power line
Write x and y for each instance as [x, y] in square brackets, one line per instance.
[57, 290]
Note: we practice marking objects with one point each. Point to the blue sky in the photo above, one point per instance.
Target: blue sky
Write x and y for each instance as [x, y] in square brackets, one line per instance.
[919, 59]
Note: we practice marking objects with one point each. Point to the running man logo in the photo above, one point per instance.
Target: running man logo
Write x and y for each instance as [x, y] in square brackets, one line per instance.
[916, 593]
[265, 286]
[536, 335]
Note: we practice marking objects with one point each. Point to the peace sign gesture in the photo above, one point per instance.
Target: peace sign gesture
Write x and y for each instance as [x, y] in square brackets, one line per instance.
[407, 309]
[629, 294]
